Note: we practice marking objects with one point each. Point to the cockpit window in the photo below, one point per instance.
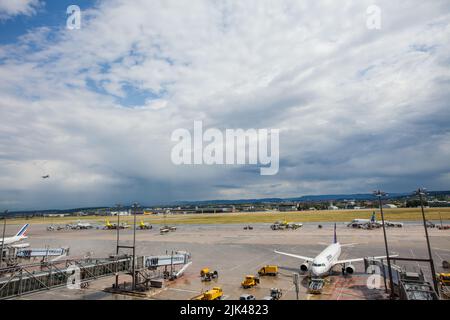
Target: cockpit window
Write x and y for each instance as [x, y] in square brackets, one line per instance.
[318, 264]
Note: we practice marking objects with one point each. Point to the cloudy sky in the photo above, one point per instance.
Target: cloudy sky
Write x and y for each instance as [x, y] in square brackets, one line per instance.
[357, 108]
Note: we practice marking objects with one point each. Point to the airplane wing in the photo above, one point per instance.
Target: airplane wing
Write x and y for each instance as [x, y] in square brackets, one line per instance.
[348, 244]
[348, 261]
[361, 259]
[294, 256]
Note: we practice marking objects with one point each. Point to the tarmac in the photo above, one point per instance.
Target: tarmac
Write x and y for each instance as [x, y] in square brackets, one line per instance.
[235, 252]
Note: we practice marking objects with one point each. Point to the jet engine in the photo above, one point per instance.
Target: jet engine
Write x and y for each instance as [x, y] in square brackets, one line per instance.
[349, 269]
[304, 267]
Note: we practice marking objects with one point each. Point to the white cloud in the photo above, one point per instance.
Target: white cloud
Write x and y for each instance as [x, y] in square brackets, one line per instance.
[355, 106]
[11, 8]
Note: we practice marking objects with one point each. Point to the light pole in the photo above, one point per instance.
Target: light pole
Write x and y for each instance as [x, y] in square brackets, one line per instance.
[117, 227]
[117, 246]
[3, 238]
[380, 194]
[421, 192]
[135, 206]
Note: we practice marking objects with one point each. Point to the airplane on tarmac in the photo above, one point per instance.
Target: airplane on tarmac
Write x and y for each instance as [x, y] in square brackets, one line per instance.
[80, 225]
[327, 259]
[361, 223]
[21, 235]
[372, 223]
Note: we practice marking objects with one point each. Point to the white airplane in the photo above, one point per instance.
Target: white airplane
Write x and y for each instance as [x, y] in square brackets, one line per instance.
[358, 223]
[327, 259]
[21, 235]
[372, 222]
[79, 225]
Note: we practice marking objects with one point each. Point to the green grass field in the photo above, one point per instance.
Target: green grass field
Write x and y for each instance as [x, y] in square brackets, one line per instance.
[400, 214]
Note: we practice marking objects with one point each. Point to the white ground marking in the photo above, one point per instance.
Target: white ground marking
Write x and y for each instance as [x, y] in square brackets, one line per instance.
[182, 290]
[414, 257]
[437, 254]
[441, 249]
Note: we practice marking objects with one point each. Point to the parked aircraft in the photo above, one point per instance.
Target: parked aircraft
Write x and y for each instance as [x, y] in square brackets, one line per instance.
[80, 225]
[20, 235]
[365, 223]
[322, 264]
[372, 223]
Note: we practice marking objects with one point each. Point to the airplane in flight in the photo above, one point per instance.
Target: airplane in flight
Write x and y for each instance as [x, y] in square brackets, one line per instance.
[322, 264]
[46, 176]
[21, 235]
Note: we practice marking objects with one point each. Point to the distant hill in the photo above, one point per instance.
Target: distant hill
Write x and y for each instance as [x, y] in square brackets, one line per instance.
[306, 198]
[310, 198]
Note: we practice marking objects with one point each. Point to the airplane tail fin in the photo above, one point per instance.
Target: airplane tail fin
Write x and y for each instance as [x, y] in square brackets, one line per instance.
[335, 236]
[23, 230]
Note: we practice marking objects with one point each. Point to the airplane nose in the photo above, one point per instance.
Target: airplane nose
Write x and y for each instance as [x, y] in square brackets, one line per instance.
[317, 271]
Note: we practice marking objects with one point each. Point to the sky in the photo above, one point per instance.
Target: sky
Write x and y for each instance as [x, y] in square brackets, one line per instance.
[358, 108]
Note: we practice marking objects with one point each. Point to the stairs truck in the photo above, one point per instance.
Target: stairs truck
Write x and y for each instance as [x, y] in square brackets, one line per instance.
[215, 293]
[315, 286]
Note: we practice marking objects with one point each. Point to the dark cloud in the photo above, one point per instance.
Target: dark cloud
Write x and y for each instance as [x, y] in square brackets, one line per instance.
[357, 109]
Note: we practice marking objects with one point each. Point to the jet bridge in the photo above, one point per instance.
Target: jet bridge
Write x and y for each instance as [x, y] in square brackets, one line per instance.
[16, 253]
[23, 279]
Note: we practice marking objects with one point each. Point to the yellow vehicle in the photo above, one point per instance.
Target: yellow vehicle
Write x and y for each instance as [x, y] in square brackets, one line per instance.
[109, 225]
[208, 275]
[444, 279]
[113, 226]
[204, 271]
[268, 271]
[144, 226]
[215, 293]
[250, 281]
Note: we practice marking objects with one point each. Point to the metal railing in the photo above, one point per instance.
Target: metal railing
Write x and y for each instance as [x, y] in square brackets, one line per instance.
[25, 279]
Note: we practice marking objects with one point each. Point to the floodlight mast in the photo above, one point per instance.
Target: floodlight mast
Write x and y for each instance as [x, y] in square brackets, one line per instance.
[3, 237]
[379, 194]
[422, 192]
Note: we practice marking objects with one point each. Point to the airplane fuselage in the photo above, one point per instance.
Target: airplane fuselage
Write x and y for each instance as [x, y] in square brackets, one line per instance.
[11, 240]
[361, 221]
[325, 260]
